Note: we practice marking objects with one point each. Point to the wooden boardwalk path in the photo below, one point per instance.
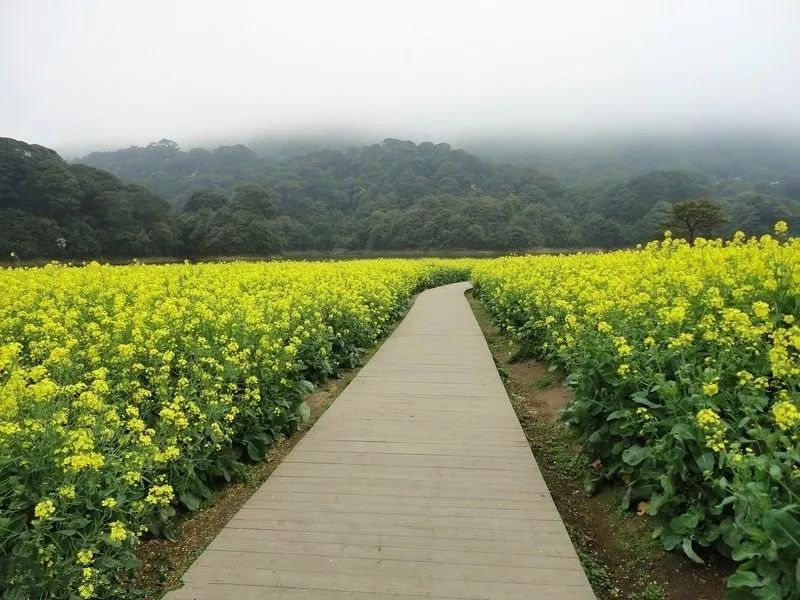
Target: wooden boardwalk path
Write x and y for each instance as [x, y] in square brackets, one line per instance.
[417, 482]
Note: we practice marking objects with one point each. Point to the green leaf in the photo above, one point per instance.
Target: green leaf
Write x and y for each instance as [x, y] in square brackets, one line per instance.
[169, 533]
[689, 551]
[255, 450]
[618, 414]
[683, 431]
[797, 573]
[198, 488]
[656, 502]
[743, 578]
[590, 484]
[666, 485]
[782, 527]
[685, 523]
[641, 398]
[636, 454]
[305, 412]
[67, 532]
[739, 594]
[189, 500]
[705, 461]
[670, 539]
[305, 386]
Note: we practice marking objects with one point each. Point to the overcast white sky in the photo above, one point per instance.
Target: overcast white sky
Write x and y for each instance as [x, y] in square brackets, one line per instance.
[106, 73]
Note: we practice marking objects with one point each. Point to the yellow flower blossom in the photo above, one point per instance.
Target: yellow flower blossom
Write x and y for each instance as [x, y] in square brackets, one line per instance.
[44, 510]
[132, 477]
[713, 428]
[761, 309]
[786, 414]
[160, 494]
[66, 491]
[603, 327]
[117, 531]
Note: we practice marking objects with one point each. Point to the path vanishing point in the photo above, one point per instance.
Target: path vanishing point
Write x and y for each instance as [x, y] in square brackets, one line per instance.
[417, 482]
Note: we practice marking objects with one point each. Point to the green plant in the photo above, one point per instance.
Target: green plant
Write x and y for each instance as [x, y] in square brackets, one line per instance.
[685, 363]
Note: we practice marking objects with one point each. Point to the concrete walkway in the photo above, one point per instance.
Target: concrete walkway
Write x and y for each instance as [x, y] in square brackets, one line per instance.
[416, 482]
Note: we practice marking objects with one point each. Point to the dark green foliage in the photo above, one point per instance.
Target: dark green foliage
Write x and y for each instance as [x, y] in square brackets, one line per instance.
[170, 172]
[392, 196]
[205, 199]
[476, 222]
[52, 209]
[696, 217]
[399, 195]
[244, 224]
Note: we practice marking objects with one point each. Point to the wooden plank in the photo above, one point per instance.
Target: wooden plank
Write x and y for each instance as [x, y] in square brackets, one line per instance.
[367, 582]
[546, 544]
[227, 564]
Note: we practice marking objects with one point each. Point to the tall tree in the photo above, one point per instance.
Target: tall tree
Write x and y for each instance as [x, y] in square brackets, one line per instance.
[696, 217]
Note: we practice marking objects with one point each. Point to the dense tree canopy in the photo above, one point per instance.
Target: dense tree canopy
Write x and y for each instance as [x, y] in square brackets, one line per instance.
[696, 217]
[397, 195]
[49, 208]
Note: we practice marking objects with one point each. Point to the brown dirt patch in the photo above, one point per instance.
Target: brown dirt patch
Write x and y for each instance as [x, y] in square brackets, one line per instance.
[542, 389]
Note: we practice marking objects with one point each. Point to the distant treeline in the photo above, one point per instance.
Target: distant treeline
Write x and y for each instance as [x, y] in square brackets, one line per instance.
[161, 201]
[766, 157]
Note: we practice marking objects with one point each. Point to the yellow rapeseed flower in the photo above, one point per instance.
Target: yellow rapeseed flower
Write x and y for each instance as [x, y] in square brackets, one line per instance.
[761, 309]
[713, 428]
[786, 414]
[67, 492]
[160, 494]
[117, 531]
[44, 510]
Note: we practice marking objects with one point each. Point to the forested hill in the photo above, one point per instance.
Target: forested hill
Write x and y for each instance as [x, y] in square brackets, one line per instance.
[49, 208]
[400, 170]
[161, 200]
[398, 194]
[394, 195]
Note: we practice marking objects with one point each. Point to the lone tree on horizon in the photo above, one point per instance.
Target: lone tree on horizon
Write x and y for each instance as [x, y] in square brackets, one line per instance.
[695, 217]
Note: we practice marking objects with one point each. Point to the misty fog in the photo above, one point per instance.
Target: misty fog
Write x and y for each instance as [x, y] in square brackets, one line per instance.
[91, 74]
